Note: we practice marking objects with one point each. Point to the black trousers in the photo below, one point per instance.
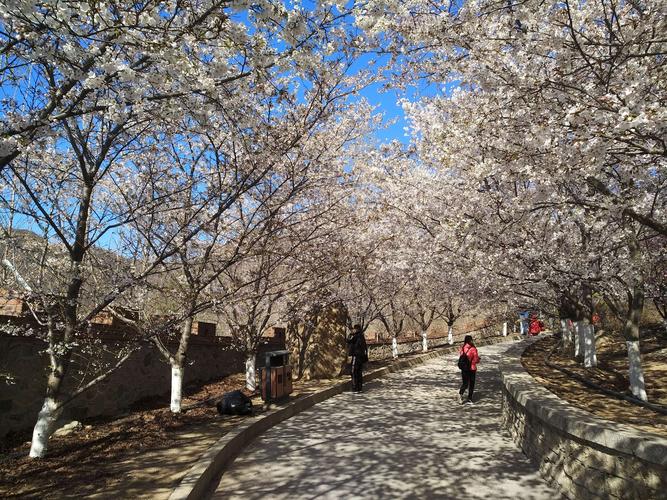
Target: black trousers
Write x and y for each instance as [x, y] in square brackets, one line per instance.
[468, 377]
[357, 375]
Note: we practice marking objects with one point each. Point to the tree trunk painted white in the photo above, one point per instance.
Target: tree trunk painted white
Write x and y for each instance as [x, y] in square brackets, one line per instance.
[565, 329]
[424, 341]
[44, 428]
[636, 373]
[176, 388]
[450, 335]
[590, 357]
[250, 380]
[505, 329]
[394, 347]
[578, 339]
[521, 329]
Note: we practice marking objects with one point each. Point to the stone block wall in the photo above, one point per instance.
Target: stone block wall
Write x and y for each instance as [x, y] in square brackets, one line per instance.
[145, 375]
[582, 455]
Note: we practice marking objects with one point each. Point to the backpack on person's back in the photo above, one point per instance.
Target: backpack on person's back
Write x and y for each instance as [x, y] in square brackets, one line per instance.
[464, 361]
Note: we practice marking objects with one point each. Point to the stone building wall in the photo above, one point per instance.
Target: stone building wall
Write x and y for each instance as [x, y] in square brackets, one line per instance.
[23, 364]
[582, 455]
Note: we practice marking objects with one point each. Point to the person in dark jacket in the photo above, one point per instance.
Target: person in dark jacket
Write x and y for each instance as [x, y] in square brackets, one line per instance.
[468, 376]
[356, 345]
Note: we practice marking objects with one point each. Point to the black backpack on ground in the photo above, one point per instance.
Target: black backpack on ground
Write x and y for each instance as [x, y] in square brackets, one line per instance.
[464, 362]
[234, 403]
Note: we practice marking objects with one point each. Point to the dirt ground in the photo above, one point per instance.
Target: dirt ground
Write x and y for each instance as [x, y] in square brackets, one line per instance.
[611, 373]
[78, 460]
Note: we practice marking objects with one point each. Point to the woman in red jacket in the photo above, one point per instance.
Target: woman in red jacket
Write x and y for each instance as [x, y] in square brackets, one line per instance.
[536, 325]
[469, 349]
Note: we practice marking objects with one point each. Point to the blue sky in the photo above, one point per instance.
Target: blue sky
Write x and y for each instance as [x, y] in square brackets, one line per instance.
[388, 105]
[387, 100]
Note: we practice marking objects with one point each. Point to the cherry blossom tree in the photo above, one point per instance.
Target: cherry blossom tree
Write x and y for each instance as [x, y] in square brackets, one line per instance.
[549, 135]
[90, 92]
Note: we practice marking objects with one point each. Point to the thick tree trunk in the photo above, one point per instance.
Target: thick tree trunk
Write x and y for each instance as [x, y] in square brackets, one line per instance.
[52, 407]
[394, 347]
[178, 364]
[60, 361]
[637, 385]
[578, 339]
[250, 379]
[567, 334]
[176, 387]
[631, 333]
[450, 334]
[590, 356]
[424, 341]
[505, 329]
[44, 427]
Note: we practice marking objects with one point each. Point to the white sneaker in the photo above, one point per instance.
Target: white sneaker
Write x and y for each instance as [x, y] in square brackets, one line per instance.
[469, 402]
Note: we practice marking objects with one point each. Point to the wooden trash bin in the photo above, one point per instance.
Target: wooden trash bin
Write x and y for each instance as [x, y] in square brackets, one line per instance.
[275, 377]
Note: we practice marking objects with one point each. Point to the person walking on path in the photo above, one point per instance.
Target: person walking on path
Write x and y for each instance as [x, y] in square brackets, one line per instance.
[536, 326]
[468, 372]
[359, 351]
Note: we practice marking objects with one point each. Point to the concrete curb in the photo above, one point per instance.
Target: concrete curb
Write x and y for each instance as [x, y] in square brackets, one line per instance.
[197, 482]
[581, 425]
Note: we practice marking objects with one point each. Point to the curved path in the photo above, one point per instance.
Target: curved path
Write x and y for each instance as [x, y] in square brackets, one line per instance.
[406, 436]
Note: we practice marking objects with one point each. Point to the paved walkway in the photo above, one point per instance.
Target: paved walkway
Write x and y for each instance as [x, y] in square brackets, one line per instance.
[406, 436]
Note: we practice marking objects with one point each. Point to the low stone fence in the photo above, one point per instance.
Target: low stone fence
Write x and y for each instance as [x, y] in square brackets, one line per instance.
[582, 455]
[378, 350]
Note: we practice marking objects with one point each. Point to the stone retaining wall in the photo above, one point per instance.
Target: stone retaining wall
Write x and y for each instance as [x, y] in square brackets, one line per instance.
[582, 455]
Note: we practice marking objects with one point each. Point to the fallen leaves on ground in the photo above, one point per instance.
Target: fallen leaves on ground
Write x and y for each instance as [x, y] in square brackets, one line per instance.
[611, 373]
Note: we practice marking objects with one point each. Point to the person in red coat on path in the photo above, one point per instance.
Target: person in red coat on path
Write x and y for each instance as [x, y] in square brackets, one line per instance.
[469, 349]
[536, 325]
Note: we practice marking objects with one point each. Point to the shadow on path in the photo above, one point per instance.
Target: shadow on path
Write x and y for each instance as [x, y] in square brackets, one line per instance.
[406, 436]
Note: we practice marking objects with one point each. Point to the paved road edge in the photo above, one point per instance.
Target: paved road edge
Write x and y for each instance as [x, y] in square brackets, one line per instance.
[197, 482]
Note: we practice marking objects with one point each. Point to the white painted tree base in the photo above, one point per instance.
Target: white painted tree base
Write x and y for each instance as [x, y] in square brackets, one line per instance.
[565, 329]
[637, 386]
[424, 341]
[176, 388]
[590, 356]
[394, 347]
[250, 378]
[43, 428]
[450, 335]
[578, 338]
